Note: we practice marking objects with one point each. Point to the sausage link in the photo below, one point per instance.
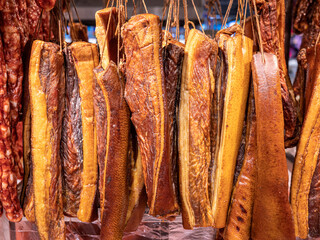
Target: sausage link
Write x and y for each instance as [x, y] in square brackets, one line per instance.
[12, 44]
[8, 180]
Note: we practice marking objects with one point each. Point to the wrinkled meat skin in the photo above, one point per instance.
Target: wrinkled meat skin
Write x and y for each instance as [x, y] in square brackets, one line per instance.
[272, 216]
[172, 65]
[71, 141]
[53, 82]
[146, 97]
[195, 109]
[113, 125]
[47, 95]
[8, 181]
[200, 124]
[314, 203]
[270, 34]
[13, 43]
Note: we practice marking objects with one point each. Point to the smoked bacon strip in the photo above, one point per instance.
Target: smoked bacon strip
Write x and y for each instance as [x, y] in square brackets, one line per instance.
[8, 180]
[78, 146]
[237, 50]
[306, 157]
[146, 95]
[197, 86]
[240, 213]
[112, 118]
[46, 89]
[272, 216]
[135, 185]
[272, 25]
[173, 53]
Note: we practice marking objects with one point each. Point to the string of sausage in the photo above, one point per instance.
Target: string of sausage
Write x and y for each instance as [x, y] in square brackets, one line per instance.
[13, 41]
[8, 181]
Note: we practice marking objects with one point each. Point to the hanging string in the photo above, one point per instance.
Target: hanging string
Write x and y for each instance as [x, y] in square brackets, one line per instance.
[177, 19]
[259, 31]
[60, 27]
[145, 6]
[75, 9]
[134, 7]
[252, 26]
[119, 32]
[169, 17]
[186, 20]
[226, 16]
[245, 16]
[195, 9]
[164, 10]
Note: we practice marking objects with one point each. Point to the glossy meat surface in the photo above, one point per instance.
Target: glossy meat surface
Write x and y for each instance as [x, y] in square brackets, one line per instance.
[113, 123]
[71, 142]
[238, 52]
[272, 31]
[81, 164]
[241, 206]
[195, 130]
[147, 98]
[46, 88]
[272, 216]
[306, 159]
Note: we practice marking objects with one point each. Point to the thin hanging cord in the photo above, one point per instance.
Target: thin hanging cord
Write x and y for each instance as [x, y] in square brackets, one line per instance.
[245, 16]
[75, 9]
[178, 20]
[252, 26]
[186, 20]
[169, 16]
[195, 9]
[226, 16]
[164, 10]
[259, 32]
[60, 27]
[145, 7]
[119, 32]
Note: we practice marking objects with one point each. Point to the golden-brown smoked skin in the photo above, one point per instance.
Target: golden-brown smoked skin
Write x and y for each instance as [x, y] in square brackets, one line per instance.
[240, 212]
[306, 158]
[194, 139]
[272, 216]
[237, 50]
[112, 118]
[46, 88]
[79, 151]
[147, 98]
